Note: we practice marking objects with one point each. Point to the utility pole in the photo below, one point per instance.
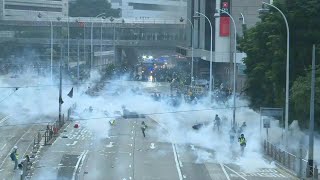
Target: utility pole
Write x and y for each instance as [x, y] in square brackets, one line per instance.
[311, 126]
[78, 68]
[60, 87]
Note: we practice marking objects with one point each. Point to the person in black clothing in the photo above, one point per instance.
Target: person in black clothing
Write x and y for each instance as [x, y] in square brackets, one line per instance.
[217, 121]
[143, 128]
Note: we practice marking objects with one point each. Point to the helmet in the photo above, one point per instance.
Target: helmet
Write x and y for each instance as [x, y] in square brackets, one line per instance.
[242, 135]
[15, 147]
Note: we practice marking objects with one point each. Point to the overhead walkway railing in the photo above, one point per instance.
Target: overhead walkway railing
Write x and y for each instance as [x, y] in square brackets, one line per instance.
[106, 20]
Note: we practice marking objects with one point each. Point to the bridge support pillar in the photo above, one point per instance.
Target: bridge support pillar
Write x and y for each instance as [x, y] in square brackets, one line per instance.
[117, 55]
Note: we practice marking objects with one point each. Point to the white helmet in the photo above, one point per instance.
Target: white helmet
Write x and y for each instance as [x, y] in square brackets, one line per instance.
[15, 147]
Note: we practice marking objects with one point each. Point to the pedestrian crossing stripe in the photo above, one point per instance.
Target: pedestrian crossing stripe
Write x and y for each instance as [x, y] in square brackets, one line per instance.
[260, 174]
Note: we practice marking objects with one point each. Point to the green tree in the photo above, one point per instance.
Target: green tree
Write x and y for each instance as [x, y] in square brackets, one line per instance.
[301, 97]
[265, 46]
[86, 8]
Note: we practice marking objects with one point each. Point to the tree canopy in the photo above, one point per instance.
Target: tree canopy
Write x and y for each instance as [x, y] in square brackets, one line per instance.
[86, 8]
[265, 46]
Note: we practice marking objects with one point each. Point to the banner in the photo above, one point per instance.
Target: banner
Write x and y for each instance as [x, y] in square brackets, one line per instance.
[224, 18]
[224, 26]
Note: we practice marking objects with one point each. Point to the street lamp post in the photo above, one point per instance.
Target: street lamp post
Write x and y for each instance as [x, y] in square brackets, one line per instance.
[192, 44]
[287, 71]
[234, 64]
[51, 43]
[68, 44]
[101, 42]
[114, 37]
[51, 49]
[91, 57]
[210, 83]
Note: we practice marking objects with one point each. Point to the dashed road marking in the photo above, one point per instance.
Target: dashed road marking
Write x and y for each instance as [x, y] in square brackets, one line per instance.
[3, 146]
[152, 146]
[74, 143]
[110, 145]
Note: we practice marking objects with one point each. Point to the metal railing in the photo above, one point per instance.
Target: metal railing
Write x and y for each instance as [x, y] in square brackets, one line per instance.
[46, 137]
[294, 163]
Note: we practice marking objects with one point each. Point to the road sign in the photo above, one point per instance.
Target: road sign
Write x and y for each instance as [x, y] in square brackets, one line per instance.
[266, 123]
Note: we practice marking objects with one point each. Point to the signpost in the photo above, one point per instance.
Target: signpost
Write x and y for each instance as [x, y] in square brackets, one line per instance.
[266, 124]
[265, 115]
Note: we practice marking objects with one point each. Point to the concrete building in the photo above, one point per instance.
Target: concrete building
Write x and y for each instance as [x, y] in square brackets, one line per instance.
[29, 9]
[164, 9]
[223, 38]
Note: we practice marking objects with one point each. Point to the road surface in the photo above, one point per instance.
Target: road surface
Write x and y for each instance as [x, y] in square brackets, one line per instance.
[10, 136]
[125, 154]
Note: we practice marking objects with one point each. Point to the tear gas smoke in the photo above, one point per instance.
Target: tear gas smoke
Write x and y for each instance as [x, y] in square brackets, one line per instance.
[28, 104]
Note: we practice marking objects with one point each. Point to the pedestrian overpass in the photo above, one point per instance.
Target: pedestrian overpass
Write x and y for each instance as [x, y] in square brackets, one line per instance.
[93, 35]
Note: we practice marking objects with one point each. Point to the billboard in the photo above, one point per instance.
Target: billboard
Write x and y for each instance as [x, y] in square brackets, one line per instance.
[224, 18]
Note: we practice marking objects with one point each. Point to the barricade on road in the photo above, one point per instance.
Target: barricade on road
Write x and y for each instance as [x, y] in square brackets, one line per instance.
[295, 163]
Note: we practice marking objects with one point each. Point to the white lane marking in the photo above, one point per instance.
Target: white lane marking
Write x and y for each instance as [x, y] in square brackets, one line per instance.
[4, 119]
[74, 143]
[77, 165]
[234, 172]
[4, 160]
[3, 146]
[152, 146]
[176, 161]
[174, 152]
[224, 171]
[110, 145]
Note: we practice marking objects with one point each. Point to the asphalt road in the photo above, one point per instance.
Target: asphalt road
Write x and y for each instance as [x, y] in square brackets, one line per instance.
[126, 155]
[10, 136]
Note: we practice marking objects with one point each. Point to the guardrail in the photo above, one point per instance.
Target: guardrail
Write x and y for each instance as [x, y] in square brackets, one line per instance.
[46, 137]
[295, 163]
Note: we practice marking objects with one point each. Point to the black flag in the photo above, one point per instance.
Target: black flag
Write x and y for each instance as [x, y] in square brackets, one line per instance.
[70, 94]
[60, 100]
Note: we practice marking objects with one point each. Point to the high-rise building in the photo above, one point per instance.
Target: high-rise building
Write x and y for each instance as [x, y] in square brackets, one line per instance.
[245, 14]
[29, 9]
[165, 9]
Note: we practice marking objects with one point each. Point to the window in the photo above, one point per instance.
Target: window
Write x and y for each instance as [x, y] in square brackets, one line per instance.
[33, 8]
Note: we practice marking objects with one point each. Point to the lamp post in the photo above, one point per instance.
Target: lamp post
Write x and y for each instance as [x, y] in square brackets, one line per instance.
[244, 26]
[91, 57]
[287, 69]
[51, 49]
[101, 39]
[114, 37]
[192, 44]
[210, 83]
[68, 43]
[51, 42]
[234, 63]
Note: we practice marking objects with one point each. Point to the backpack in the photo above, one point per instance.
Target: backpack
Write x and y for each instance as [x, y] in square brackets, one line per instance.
[12, 156]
